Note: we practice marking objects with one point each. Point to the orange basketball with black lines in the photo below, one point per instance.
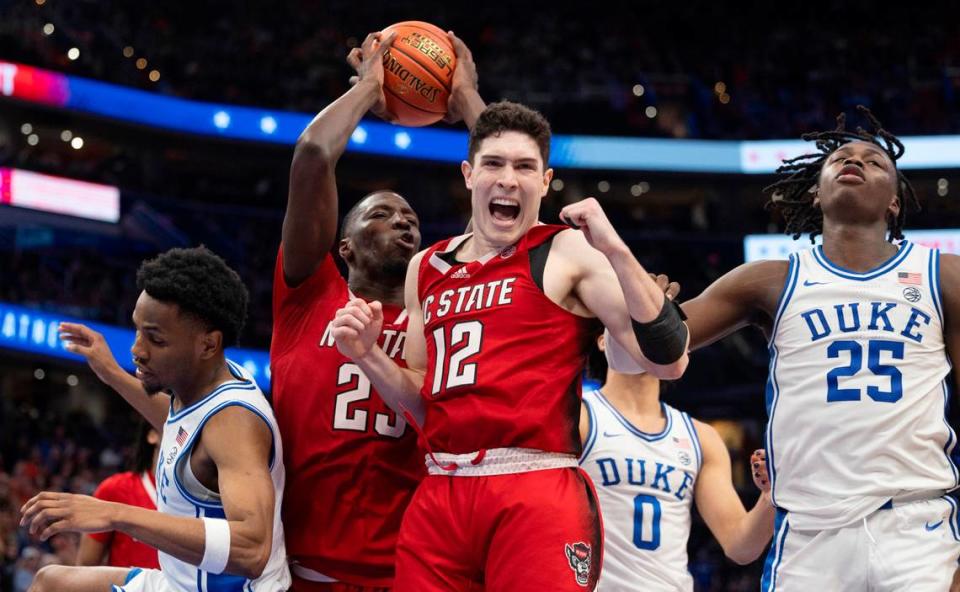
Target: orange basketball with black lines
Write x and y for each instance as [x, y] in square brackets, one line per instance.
[418, 70]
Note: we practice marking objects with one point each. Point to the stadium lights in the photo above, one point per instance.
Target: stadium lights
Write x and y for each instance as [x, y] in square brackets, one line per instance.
[268, 124]
[359, 135]
[402, 140]
[221, 119]
[73, 53]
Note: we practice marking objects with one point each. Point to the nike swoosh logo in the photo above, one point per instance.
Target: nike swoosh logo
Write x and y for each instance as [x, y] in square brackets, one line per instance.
[609, 435]
[809, 283]
[934, 527]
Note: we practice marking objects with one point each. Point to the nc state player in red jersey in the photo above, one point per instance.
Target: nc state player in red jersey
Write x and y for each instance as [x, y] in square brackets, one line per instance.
[500, 323]
[352, 463]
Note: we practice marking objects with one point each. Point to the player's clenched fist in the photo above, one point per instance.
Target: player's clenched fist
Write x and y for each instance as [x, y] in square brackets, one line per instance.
[356, 327]
[597, 229]
[758, 468]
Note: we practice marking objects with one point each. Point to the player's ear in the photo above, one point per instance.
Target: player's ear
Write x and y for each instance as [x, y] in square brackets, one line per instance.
[547, 177]
[815, 190]
[210, 343]
[467, 169]
[893, 209]
[345, 249]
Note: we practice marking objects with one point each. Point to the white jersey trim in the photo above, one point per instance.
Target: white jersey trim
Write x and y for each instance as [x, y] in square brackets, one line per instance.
[632, 428]
[695, 438]
[773, 388]
[196, 434]
[904, 249]
[591, 431]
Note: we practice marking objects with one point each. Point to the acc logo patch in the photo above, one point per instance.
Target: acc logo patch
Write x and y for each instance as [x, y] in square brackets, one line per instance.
[579, 555]
[911, 294]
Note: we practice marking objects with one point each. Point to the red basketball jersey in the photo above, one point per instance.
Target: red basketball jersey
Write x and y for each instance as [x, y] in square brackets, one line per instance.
[352, 464]
[132, 489]
[504, 362]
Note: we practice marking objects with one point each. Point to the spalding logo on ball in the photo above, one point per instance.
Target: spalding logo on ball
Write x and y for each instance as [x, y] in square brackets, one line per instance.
[418, 70]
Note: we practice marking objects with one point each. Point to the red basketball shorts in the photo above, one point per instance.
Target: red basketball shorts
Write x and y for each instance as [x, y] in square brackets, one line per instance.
[538, 530]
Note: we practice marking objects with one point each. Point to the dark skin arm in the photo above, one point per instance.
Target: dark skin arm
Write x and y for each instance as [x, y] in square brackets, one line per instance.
[747, 295]
[949, 286]
[310, 223]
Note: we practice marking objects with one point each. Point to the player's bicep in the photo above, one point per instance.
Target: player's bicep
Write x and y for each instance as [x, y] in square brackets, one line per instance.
[415, 346]
[734, 301]
[240, 443]
[597, 287]
[310, 222]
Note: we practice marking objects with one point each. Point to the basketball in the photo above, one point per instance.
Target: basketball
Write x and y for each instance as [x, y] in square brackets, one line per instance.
[418, 70]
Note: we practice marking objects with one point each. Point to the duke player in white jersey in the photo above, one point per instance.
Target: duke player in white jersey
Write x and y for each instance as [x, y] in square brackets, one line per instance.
[862, 337]
[220, 472]
[650, 463]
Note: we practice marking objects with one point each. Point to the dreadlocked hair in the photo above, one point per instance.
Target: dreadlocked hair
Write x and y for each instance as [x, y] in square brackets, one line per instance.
[793, 194]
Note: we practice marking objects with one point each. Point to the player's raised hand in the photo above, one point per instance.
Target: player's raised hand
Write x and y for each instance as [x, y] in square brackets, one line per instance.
[464, 79]
[367, 61]
[589, 217]
[758, 468]
[357, 326]
[80, 339]
[49, 513]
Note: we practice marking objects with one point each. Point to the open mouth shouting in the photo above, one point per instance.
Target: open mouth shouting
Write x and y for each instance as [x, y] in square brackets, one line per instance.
[504, 209]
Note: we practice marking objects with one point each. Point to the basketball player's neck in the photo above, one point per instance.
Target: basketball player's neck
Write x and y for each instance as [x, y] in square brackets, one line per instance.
[205, 379]
[386, 290]
[856, 247]
[637, 397]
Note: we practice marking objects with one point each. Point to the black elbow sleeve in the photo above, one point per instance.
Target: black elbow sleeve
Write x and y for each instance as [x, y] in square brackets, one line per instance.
[664, 339]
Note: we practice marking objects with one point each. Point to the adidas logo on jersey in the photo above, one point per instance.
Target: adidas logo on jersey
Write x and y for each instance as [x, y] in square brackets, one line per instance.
[460, 274]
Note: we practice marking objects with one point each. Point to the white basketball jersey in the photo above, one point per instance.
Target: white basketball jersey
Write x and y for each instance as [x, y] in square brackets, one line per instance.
[857, 391]
[180, 494]
[645, 486]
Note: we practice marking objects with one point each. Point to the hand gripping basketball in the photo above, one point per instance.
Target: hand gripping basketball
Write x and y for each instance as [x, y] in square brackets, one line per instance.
[357, 326]
[367, 60]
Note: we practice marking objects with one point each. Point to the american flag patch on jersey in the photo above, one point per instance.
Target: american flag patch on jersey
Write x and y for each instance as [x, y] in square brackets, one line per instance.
[904, 277]
[682, 442]
[181, 436]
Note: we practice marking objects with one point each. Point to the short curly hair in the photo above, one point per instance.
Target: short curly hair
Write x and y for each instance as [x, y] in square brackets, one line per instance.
[202, 285]
[505, 116]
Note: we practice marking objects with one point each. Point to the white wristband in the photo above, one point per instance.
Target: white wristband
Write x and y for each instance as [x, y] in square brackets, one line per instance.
[216, 550]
